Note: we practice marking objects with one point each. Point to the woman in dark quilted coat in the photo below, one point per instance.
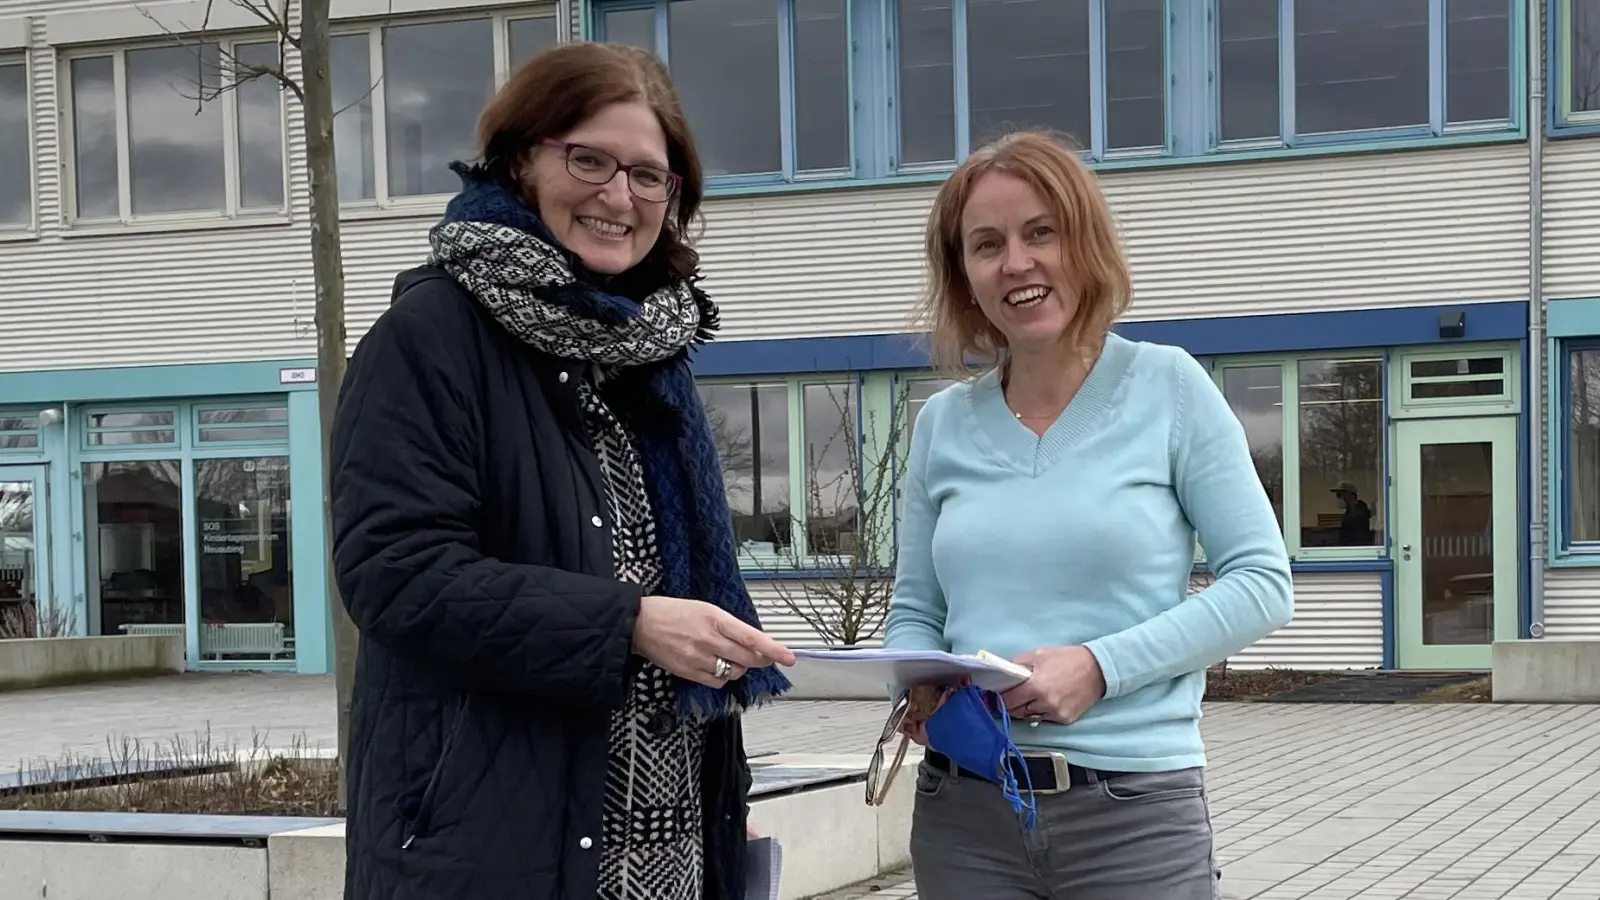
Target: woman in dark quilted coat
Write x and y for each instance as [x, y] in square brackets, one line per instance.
[530, 528]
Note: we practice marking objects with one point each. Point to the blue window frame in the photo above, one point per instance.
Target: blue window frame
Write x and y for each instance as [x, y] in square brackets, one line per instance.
[765, 83]
[782, 92]
[1578, 498]
[1573, 65]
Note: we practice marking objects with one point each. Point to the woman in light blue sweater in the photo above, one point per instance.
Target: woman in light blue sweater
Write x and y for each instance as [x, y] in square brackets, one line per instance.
[1050, 511]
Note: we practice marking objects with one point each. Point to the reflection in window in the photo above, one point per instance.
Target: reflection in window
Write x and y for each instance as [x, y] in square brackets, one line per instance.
[16, 194]
[821, 85]
[1477, 60]
[917, 393]
[724, 59]
[1136, 73]
[260, 111]
[1028, 67]
[175, 142]
[431, 110]
[1583, 56]
[831, 456]
[116, 428]
[133, 547]
[267, 423]
[350, 62]
[94, 137]
[246, 584]
[1457, 552]
[926, 86]
[19, 586]
[19, 432]
[750, 425]
[1341, 453]
[529, 37]
[634, 27]
[1360, 64]
[1583, 447]
[1249, 69]
[1255, 394]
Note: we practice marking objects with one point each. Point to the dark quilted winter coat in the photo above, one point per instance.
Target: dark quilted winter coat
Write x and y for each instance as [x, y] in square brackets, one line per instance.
[473, 551]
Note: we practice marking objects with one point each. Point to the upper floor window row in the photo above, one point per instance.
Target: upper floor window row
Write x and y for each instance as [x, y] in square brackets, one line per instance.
[795, 89]
[178, 129]
[16, 155]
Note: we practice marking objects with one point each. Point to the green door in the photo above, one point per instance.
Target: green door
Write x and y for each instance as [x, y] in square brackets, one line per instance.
[1455, 541]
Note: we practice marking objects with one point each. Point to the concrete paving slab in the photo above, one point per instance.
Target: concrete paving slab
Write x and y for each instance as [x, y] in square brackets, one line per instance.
[1355, 802]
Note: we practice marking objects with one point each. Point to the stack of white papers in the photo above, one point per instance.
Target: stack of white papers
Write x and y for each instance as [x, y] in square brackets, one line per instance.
[908, 668]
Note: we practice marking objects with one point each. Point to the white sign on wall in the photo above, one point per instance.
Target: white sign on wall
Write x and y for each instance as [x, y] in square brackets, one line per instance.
[297, 376]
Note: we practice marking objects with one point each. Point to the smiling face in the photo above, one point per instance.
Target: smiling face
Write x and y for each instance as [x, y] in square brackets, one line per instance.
[1012, 255]
[608, 226]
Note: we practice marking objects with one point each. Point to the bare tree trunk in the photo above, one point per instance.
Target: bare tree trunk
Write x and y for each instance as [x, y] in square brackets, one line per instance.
[327, 262]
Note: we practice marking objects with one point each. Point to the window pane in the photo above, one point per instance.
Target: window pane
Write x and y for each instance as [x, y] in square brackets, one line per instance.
[260, 131]
[94, 137]
[1341, 453]
[634, 27]
[528, 37]
[832, 501]
[1136, 73]
[821, 85]
[350, 65]
[1249, 69]
[246, 588]
[1477, 60]
[1583, 54]
[926, 92]
[724, 58]
[19, 559]
[115, 429]
[1360, 64]
[16, 193]
[1027, 67]
[133, 547]
[750, 425]
[175, 141]
[19, 432]
[432, 109]
[1255, 394]
[1583, 447]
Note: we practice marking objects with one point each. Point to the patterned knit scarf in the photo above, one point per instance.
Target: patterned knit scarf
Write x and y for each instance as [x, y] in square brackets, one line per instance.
[502, 253]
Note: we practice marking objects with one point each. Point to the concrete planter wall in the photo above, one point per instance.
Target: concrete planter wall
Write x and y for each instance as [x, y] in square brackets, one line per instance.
[830, 839]
[39, 662]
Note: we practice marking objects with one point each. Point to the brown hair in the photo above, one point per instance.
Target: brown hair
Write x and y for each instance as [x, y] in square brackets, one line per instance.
[1092, 253]
[560, 88]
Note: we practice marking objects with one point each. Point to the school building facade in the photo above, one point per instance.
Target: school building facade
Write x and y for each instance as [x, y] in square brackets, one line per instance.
[1371, 221]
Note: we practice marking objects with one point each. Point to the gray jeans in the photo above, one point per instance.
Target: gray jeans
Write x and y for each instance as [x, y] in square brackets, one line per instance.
[1134, 837]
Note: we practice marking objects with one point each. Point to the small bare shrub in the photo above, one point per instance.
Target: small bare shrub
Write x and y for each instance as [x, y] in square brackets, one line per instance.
[23, 620]
[184, 776]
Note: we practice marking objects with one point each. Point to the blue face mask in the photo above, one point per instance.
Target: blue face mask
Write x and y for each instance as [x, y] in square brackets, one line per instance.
[973, 729]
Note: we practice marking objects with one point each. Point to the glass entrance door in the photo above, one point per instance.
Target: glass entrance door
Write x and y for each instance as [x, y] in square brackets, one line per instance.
[1455, 541]
[25, 598]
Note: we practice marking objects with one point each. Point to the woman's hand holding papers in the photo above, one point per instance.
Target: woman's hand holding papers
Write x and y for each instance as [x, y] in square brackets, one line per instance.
[1066, 681]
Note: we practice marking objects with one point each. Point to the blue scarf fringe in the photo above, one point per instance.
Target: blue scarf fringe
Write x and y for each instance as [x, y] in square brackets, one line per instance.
[694, 528]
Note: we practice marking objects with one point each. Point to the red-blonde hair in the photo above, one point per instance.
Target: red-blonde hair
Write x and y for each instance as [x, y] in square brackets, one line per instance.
[1092, 254]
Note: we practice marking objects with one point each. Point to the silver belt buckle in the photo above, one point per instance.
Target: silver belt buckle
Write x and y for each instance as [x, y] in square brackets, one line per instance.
[1058, 763]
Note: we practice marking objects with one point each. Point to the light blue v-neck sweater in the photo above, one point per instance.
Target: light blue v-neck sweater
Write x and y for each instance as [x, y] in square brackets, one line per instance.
[1010, 542]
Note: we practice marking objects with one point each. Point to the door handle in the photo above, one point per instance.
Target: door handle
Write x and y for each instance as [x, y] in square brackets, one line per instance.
[1405, 551]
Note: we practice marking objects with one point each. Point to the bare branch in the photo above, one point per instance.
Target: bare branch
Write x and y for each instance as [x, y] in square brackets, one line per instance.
[845, 535]
[228, 71]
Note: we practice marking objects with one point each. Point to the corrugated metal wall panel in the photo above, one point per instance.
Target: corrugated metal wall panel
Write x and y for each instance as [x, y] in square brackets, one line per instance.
[1252, 238]
[1572, 603]
[1571, 218]
[1338, 624]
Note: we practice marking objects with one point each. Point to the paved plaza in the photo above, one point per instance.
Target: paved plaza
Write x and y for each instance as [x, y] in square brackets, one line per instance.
[1310, 802]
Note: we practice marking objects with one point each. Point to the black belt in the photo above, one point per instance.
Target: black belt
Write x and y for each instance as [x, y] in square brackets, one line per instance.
[1038, 769]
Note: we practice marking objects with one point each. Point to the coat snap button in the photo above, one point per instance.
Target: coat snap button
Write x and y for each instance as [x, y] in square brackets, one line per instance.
[562, 378]
[597, 521]
[585, 843]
